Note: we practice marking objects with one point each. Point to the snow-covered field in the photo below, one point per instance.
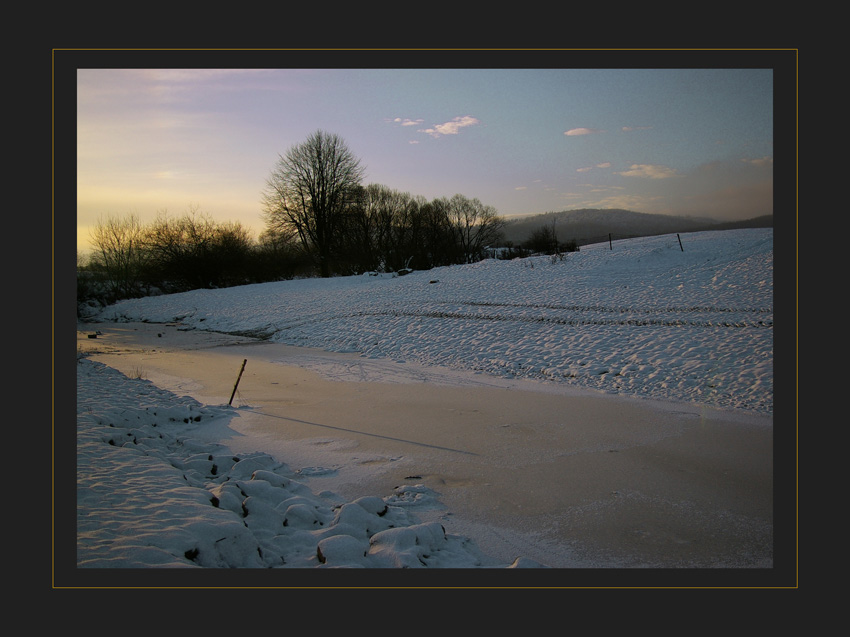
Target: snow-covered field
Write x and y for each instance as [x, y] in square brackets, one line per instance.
[645, 319]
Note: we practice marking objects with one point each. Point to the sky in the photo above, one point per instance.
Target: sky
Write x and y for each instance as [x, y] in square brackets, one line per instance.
[691, 141]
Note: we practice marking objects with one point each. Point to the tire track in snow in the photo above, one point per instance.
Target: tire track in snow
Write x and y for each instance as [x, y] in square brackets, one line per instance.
[588, 315]
[560, 320]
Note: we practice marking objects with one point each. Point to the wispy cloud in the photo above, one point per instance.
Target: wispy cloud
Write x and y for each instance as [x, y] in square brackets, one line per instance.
[606, 164]
[582, 131]
[764, 161]
[604, 189]
[407, 122]
[649, 171]
[451, 127]
[638, 203]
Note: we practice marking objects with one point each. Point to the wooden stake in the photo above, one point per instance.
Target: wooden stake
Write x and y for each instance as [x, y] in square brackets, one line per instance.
[680, 242]
[237, 381]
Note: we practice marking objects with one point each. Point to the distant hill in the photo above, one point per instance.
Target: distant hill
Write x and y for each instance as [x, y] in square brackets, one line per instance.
[765, 221]
[591, 225]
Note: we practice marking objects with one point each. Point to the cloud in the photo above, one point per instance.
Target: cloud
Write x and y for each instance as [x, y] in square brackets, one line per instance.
[636, 202]
[606, 164]
[582, 131]
[649, 171]
[407, 122]
[604, 189]
[450, 128]
[764, 161]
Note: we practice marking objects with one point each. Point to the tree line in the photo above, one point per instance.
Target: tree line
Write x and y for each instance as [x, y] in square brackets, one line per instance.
[175, 254]
[319, 220]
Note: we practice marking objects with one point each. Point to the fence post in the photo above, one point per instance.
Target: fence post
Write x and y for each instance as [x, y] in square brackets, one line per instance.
[680, 242]
[237, 381]
[610, 246]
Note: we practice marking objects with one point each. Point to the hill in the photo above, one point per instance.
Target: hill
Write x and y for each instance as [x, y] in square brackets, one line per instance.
[591, 225]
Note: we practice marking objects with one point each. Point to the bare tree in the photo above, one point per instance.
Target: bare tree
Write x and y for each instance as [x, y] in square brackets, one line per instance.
[475, 225]
[194, 251]
[438, 243]
[119, 255]
[177, 246]
[380, 228]
[407, 235]
[309, 190]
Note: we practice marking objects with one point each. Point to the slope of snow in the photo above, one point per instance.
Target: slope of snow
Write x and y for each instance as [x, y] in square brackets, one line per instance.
[648, 318]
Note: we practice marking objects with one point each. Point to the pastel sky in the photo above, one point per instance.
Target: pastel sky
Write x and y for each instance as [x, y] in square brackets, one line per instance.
[693, 142]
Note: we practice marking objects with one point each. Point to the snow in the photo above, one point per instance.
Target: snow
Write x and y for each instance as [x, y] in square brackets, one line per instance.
[186, 501]
[645, 319]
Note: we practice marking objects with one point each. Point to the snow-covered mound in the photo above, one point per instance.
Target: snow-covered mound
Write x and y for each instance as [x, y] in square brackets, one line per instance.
[153, 491]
